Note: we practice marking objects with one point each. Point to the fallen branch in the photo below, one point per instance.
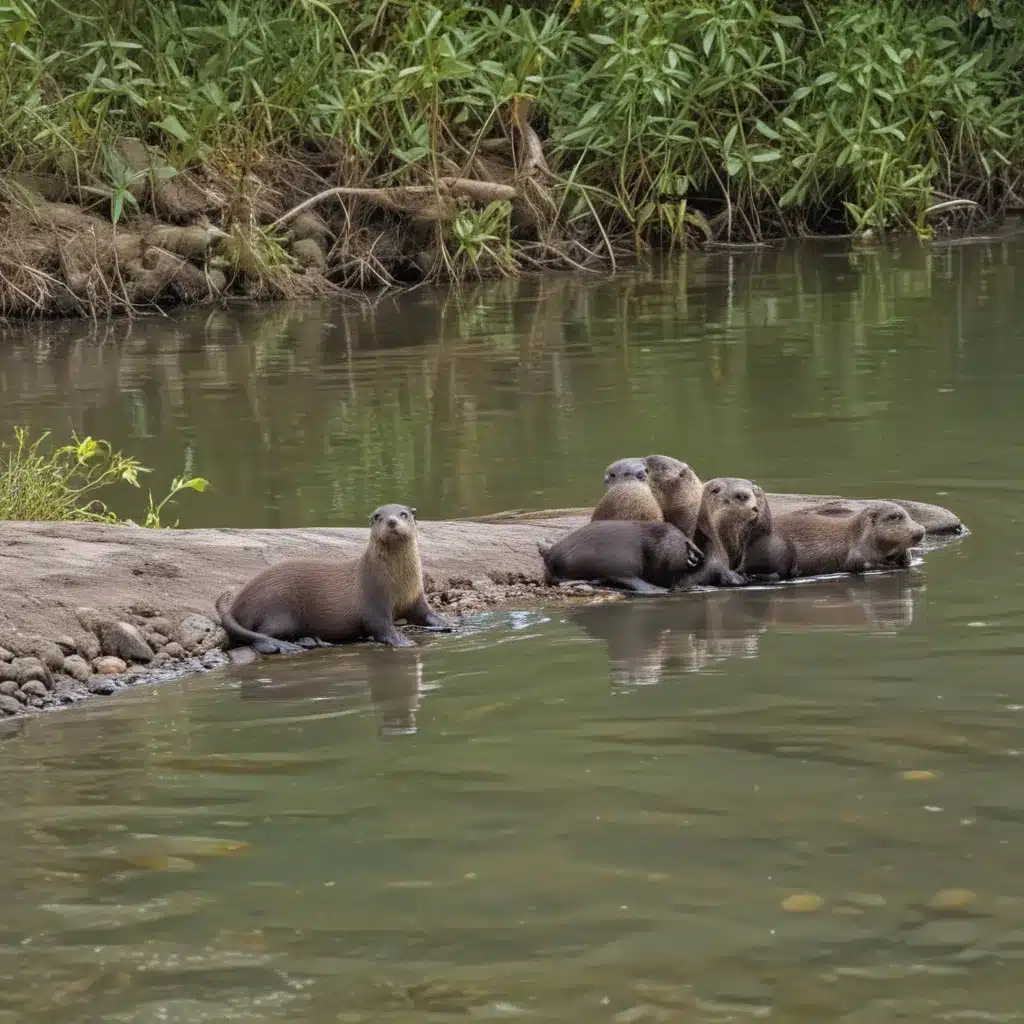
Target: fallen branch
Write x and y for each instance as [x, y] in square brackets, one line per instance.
[480, 191]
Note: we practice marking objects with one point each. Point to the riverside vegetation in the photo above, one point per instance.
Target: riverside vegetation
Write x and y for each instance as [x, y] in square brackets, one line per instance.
[155, 153]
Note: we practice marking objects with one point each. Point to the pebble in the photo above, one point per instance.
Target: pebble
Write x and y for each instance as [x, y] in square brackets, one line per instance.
[8, 672]
[9, 687]
[33, 668]
[198, 634]
[124, 641]
[10, 705]
[952, 899]
[5, 655]
[802, 902]
[34, 688]
[104, 685]
[77, 667]
[67, 644]
[109, 666]
[174, 651]
[88, 646]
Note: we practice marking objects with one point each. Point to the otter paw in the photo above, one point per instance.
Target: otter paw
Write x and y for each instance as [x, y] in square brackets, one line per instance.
[276, 647]
[733, 579]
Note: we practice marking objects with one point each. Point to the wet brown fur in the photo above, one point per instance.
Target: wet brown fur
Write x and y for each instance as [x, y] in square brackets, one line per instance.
[627, 494]
[878, 535]
[678, 490]
[768, 552]
[336, 602]
[643, 557]
[728, 510]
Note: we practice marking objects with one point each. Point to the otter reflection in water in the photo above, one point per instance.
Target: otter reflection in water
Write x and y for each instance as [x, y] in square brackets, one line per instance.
[689, 633]
[393, 678]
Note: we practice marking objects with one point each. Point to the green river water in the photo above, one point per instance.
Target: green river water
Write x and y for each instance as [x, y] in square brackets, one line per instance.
[800, 804]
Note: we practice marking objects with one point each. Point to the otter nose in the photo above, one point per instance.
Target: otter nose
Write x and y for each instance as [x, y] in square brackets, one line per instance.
[918, 534]
[392, 521]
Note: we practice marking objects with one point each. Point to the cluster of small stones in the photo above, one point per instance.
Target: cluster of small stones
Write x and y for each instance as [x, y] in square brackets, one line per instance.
[109, 653]
[105, 655]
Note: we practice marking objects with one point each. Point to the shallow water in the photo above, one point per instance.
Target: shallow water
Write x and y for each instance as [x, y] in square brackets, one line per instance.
[802, 803]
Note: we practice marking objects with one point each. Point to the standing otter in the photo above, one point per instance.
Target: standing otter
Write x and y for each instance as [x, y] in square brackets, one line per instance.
[337, 602]
[646, 558]
[627, 494]
[678, 490]
[813, 542]
[728, 510]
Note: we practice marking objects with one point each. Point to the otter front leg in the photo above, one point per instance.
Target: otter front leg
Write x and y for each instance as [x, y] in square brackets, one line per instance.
[422, 615]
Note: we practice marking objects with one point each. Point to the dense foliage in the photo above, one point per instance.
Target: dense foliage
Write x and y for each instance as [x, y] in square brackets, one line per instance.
[765, 116]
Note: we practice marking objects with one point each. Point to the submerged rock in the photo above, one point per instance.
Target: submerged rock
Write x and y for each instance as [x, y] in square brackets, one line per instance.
[104, 685]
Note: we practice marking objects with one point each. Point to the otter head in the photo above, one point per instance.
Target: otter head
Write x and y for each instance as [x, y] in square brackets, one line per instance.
[664, 471]
[625, 471]
[728, 510]
[891, 529]
[733, 496]
[393, 524]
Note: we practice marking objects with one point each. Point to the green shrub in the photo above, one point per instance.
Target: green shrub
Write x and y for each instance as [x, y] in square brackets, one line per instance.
[63, 485]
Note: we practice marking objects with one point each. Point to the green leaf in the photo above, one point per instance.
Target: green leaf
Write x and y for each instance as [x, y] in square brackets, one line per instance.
[730, 137]
[601, 40]
[768, 133]
[173, 126]
[766, 156]
[197, 483]
[733, 166]
[827, 78]
[800, 93]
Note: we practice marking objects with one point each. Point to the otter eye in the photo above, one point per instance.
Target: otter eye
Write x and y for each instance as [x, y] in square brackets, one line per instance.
[375, 518]
[405, 515]
[716, 490]
[895, 517]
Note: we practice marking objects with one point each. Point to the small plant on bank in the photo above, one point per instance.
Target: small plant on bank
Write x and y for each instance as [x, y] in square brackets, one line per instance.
[62, 486]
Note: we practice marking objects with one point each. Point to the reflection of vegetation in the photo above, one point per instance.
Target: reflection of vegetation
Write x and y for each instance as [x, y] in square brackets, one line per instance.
[63, 485]
[516, 393]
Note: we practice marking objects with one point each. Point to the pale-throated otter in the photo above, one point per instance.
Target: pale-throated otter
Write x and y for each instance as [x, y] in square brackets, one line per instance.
[627, 494]
[337, 602]
[646, 558]
[678, 490]
[728, 510]
[835, 538]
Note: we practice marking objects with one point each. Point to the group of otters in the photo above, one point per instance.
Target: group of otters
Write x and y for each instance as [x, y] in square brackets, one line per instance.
[657, 528]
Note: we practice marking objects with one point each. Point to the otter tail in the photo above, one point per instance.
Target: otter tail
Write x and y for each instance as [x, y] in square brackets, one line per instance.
[241, 636]
[544, 547]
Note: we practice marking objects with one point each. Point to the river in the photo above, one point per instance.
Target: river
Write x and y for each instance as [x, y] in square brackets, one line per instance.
[800, 803]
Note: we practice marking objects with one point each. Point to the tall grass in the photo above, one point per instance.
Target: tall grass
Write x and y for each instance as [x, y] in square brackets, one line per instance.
[732, 118]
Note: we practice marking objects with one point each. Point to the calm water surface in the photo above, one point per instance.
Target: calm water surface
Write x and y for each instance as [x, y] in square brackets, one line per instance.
[801, 803]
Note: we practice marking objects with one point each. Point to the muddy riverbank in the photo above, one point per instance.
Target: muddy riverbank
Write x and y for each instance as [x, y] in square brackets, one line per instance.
[88, 609]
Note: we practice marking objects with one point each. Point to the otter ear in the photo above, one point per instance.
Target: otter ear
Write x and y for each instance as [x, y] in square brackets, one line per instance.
[412, 512]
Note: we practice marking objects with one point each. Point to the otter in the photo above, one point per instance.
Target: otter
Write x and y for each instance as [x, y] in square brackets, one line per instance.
[678, 490]
[337, 602]
[728, 510]
[770, 553]
[645, 558]
[814, 542]
[627, 494]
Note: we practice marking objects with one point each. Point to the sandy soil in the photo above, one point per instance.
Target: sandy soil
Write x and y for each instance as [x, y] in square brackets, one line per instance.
[158, 587]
